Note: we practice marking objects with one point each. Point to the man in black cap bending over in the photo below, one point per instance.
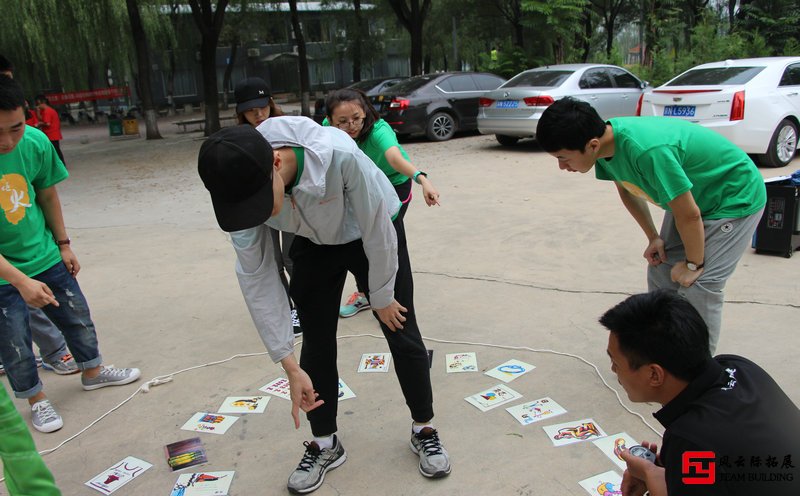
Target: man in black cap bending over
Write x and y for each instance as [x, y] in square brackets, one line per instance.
[297, 176]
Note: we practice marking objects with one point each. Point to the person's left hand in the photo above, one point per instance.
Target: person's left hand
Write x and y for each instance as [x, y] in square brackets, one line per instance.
[430, 194]
[681, 274]
[70, 260]
[392, 315]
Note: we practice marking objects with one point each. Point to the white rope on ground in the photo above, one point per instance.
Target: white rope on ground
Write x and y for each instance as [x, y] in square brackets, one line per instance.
[163, 379]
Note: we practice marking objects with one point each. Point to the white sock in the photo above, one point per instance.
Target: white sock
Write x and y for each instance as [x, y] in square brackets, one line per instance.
[324, 442]
[417, 428]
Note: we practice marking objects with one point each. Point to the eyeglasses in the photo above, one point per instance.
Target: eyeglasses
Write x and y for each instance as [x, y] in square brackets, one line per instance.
[357, 122]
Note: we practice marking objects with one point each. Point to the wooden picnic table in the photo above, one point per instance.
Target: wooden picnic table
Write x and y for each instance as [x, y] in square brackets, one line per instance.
[200, 122]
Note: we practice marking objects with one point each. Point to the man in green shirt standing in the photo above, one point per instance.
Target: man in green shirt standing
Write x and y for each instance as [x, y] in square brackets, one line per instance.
[712, 192]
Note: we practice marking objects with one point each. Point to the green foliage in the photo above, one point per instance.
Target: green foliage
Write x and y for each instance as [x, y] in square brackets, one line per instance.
[510, 62]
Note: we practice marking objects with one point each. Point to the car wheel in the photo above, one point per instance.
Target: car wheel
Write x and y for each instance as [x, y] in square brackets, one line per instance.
[782, 146]
[506, 140]
[441, 127]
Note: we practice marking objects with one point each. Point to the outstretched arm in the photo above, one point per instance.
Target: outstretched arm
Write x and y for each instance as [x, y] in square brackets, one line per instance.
[406, 168]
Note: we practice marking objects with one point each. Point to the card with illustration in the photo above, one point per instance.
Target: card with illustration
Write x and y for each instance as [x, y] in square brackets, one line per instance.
[345, 393]
[461, 362]
[213, 423]
[279, 387]
[244, 404]
[613, 445]
[186, 453]
[203, 484]
[573, 432]
[605, 484]
[117, 476]
[375, 362]
[536, 410]
[494, 397]
[510, 370]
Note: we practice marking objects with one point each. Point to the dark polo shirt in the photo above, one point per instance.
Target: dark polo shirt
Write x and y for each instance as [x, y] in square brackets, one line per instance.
[732, 425]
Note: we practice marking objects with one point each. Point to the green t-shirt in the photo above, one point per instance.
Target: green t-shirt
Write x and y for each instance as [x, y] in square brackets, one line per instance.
[25, 240]
[660, 158]
[381, 138]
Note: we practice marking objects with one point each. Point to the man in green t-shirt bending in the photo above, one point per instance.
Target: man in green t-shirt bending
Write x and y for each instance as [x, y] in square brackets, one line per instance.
[712, 192]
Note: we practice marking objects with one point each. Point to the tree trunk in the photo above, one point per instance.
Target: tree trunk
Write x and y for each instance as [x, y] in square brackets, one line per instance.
[302, 60]
[360, 30]
[587, 34]
[143, 67]
[413, 18]
[209, 23]
[208, 64]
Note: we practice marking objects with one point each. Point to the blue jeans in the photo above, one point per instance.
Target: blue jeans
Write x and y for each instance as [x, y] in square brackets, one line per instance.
[71, 317]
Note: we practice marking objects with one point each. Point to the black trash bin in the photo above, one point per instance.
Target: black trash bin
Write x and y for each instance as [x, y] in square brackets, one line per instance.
[778, 232]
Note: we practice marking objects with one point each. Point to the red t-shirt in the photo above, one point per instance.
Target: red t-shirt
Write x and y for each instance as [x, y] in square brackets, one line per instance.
[50, 124]
[32, 120]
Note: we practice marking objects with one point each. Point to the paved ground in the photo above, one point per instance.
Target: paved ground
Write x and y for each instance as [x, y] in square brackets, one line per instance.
[518, 255]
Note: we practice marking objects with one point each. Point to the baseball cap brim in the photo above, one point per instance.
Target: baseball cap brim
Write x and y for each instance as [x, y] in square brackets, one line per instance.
[255, 103]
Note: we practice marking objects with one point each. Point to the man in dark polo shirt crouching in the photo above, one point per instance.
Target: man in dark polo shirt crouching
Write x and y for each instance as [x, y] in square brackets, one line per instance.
[730, 429]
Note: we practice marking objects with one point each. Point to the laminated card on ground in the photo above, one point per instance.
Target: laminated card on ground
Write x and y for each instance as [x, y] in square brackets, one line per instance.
[117, 476]
[244, 404]
[494, 397]
[573, 432]
[461, 362]
[605, 484]
[212, 423]
[613, 445]
[375, 362]
[510, 370]
[278, 387]
[203, 484]
[536, 410]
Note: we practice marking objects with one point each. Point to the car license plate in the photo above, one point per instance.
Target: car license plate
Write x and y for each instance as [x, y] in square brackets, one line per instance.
[679, 110]
[507, 104]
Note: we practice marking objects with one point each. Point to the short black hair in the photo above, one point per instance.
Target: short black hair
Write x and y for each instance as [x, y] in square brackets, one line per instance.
[568, 124]
[352, 95]
[660, 327]
[5, 64]
[40, 98]
[11, 95]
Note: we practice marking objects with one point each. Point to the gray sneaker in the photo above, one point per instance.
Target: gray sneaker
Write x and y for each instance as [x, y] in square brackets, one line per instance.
[308, 476]
[434, 462]
[63, 366]
[45, 418]
[110, 376]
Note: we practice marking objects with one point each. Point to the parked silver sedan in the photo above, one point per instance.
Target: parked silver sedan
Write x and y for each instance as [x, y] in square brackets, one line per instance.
[512, 111]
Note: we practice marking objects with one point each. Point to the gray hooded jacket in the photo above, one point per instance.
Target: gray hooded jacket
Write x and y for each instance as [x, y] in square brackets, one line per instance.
[340, 196]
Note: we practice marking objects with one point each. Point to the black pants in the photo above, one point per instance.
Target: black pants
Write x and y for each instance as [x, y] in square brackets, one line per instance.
[57, 146]
[316, 287]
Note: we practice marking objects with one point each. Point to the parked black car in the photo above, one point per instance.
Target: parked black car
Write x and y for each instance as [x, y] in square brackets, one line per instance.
[436, 105]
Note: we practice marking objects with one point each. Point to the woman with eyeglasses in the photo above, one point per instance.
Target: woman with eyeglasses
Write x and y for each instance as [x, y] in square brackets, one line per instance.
[350, 111]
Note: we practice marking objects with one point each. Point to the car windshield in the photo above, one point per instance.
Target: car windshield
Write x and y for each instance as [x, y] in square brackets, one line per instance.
[412, 84]
[539, 78]
[716, 76]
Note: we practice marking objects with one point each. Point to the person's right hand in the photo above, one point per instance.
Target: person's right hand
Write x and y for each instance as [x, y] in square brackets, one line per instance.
[639, 471]
[302, 393]
[36, 293]
[654, 253]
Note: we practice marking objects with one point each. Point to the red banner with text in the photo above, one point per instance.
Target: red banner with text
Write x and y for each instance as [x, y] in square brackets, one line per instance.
[88, 95]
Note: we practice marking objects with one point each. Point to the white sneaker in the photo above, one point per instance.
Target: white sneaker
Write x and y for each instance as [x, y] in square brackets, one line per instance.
[45, 418]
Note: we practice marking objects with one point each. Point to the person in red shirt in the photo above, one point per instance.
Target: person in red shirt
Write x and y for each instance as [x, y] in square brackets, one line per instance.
[49, 123]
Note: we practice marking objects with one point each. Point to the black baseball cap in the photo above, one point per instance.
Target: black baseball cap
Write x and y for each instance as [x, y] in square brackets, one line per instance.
[235, 165]
[251, 93]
